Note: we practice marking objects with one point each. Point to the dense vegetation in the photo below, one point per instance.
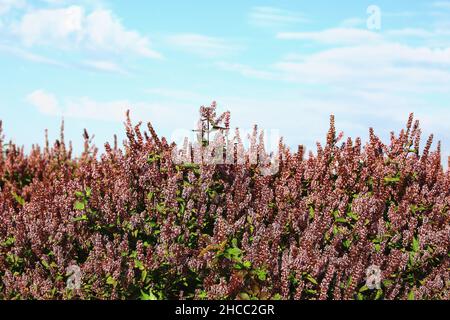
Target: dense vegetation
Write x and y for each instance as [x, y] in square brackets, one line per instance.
[141, 226]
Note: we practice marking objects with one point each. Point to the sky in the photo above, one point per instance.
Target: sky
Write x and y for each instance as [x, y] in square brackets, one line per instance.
[284, 65]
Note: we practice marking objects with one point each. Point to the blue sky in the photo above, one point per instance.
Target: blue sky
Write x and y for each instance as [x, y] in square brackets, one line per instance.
[285, 65]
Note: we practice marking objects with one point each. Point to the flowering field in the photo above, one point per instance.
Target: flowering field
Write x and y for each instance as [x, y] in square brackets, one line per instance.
[134, 223]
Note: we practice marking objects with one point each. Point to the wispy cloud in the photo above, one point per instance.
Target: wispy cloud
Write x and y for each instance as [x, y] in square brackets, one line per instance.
[333, 36]
[51, 104]
[246, 70]
[441, 4]
[202, 45]
[410, 32]
[46, 103]
[399, 14]
[96, 65]
[177, 94]
[105, 66]
[364, 74]
[74, 27]
[389, 67]
[353, 22]
[7, 5]
[24, 54]
[274, 17]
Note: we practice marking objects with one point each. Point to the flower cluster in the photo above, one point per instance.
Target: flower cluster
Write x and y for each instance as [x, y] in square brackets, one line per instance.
[138, 225]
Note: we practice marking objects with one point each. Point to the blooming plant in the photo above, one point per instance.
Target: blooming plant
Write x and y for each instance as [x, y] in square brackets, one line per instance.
[139, 225]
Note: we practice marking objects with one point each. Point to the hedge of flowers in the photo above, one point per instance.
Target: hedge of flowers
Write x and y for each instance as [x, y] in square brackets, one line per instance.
[139, 225]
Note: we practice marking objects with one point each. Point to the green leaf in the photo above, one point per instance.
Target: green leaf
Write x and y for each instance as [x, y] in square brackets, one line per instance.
[161, 208]
[79, 194]
[144, 275]
[45, 264]
[342, 220]
[276, 296]
[233, 252]
[8, 242]
[111, 281]
[182, 208]
[379, 294]
[346, 243]
[311, 213]
[411, 295]
[349, 281]
[311, 279]
[387, 283]
[79, 205]
[149, 296]
[261, 274]
[152, 157]
[138, 264]
[415, 244]
[247, 264]
[238, 266]
[353, 215]
[311, 291]
[244, 296]
[81, 218]
[391, 179]
[363, 288]
[335, 230]
[18, 198]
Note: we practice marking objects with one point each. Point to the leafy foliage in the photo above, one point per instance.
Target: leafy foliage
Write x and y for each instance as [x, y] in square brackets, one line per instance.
[142, 227]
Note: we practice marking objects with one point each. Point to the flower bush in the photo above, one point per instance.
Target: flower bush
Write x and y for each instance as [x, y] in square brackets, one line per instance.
[140, 226]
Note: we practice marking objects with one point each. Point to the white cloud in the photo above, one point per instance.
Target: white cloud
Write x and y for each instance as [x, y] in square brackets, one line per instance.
[169, 114]
[375, 83]
[84, 107]
[353, 22]
[388, 66]
[366, 61]
[97, 65]
[55, 2]
[49, 26]
[73, 27]
[246, 70]
[7, 5]
[24, 54]
[410, 32]
[105, 32]
[441, 4]
[270, 16]
[334, 36]
[399, 14]
[177, 94]
[105, 66]
[201, 45]
[46, 103]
